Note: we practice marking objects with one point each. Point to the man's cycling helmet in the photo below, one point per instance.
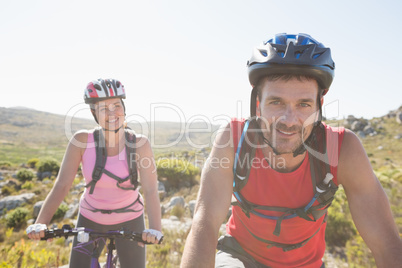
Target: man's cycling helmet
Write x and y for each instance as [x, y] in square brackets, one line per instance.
[292, 54]
[102, 89]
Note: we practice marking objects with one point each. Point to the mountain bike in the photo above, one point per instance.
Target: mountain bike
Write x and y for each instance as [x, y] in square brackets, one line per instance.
[86, 236]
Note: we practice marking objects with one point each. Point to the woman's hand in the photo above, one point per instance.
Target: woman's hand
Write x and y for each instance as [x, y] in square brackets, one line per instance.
[151, 236]
[36, 231]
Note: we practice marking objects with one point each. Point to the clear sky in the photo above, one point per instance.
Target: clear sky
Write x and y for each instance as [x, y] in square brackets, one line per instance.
[186, 59]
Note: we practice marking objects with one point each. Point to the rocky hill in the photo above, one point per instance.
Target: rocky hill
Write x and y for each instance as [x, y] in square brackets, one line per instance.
[25, 134]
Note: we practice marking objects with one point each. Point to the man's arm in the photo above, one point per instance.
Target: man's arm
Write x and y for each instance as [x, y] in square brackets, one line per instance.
[368, 203]
[212, 205]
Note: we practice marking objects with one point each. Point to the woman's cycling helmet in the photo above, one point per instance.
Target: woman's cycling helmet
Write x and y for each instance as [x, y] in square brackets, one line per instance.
[102, 89]
[291, 54]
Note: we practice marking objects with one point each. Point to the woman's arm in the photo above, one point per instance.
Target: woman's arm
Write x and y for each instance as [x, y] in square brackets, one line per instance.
[149, 183]
[64, 180]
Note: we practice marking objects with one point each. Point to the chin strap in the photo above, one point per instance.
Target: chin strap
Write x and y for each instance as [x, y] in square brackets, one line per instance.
[309, 141]
[266, 141]
[115, 131]
[302, 148]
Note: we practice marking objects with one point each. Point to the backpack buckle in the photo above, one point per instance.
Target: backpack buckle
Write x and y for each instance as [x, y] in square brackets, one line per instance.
[97, 173]
[105, 211]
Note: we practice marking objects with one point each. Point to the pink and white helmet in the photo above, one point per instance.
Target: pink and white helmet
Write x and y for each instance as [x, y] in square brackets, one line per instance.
[102, 89]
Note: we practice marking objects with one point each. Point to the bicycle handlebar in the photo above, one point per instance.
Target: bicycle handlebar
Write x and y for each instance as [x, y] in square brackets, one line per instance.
[67, 231]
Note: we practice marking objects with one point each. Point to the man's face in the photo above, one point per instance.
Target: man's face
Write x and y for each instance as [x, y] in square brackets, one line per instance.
[288, 110]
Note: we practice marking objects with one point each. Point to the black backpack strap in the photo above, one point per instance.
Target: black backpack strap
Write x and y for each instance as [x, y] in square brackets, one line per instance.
[244, 155]
[284, 247]
[119, 210]
[131, 145]
[101, 155]
[319, 169]
[131, 163]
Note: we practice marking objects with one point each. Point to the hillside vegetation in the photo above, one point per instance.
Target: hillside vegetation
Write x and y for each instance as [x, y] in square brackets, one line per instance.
[33, 142]
[26, 134]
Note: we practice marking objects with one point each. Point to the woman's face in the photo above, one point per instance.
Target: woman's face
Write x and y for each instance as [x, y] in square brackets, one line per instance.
[110, 113]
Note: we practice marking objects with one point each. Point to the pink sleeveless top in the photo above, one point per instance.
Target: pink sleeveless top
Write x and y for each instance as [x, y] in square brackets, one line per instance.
[107, 195]
[269, 187]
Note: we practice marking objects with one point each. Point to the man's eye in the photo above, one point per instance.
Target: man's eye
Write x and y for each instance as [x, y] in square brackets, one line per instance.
[304, 105]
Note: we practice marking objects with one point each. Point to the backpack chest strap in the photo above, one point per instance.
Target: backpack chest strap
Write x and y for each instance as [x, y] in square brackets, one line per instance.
[101, 156]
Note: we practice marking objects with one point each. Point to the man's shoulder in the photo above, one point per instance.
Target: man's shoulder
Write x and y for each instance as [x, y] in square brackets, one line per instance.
[350, 139]
[334, 129]
[352, 149]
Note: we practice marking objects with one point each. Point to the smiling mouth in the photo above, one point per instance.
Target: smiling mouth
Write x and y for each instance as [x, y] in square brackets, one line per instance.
[285, 133]
[113, 120]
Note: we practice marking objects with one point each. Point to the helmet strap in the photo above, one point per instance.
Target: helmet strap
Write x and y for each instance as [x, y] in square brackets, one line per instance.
[96, 119]
[253, 102]
[299, 150]
[115, 131]
[302, 148]
[308, 142]
[267, 142]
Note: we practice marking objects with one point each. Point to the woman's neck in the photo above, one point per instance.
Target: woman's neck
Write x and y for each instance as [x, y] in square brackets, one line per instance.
[114, 141]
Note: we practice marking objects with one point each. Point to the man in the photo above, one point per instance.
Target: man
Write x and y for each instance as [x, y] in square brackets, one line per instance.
[284, 166]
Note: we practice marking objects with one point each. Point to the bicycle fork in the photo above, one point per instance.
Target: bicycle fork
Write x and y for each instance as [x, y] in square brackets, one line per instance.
[109, 261]
[110, 248]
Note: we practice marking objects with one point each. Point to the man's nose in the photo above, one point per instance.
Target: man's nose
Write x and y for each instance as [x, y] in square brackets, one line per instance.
[288, 118]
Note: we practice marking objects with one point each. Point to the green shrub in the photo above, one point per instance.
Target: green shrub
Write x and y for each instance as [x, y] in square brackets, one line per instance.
[5, 164]
[25, 175]
[340, 228]
[28, 185]
[16, 218]
[7, 190]
[178, 211]
[359, 255]
[177, 172]
[169, 253]
[60, 212]
[48, 164]
[33, 162]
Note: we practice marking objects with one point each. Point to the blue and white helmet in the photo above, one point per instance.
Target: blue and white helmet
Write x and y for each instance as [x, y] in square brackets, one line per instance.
[292, 54]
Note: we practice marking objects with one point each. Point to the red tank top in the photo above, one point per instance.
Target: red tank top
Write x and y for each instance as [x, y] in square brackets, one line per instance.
[268, 187]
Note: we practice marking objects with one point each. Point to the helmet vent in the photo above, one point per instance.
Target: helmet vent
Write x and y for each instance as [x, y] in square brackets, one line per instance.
[316, 55]
[292, 54]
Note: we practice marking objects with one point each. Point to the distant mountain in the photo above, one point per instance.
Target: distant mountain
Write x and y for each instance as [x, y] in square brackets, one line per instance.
[22, 108]
[26, 133]
[27, 128]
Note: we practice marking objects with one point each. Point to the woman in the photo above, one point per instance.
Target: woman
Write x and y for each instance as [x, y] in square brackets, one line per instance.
[111, 200]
